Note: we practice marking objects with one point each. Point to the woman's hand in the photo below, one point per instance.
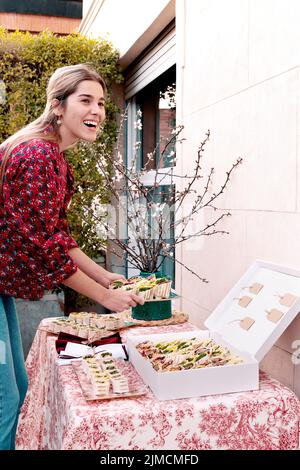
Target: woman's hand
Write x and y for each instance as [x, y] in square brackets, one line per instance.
[116, 300]
[119, 300]
[92, 269]
[107, 278]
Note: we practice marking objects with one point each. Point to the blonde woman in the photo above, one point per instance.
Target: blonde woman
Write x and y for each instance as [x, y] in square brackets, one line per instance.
[37, 252]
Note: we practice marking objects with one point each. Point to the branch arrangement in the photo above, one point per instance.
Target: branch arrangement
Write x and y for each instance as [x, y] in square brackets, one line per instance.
[150, 204]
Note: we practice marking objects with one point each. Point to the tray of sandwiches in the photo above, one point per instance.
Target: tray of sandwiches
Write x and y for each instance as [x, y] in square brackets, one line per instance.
[92, 326]
[88, 325]
[103, 378]
[151, 288]
[185, 354]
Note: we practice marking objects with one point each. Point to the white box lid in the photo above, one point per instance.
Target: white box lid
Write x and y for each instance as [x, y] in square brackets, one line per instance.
[277, 281]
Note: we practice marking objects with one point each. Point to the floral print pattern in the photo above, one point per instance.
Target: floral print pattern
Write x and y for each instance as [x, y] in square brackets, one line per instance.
[34, 232]
[56, 416]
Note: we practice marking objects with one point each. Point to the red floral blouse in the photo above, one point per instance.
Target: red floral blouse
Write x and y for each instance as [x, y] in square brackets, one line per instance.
[34, 232]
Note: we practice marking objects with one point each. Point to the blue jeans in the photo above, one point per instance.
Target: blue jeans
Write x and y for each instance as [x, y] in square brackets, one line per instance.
[13, 376]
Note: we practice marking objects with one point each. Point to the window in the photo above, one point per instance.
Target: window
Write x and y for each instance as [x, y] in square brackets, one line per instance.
[151, 120]
[157, 109]
[150, 96]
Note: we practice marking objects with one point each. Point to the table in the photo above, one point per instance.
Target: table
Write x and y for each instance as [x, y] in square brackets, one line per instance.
[55, 414]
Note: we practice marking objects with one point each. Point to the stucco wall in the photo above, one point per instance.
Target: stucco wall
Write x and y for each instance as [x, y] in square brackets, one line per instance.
[238, 75]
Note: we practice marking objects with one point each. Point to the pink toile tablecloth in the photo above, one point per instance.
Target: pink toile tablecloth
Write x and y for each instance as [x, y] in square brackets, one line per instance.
[55, 414]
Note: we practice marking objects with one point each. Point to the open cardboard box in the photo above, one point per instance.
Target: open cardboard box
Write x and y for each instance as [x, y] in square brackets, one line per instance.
[274, 293]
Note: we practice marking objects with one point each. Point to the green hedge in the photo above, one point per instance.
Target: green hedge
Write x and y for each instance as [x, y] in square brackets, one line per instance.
[26, 63]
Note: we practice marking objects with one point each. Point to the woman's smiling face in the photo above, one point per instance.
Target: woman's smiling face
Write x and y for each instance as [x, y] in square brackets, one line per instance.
[81, 114]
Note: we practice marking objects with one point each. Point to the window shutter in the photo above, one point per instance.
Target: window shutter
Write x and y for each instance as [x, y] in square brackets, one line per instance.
[158, 58]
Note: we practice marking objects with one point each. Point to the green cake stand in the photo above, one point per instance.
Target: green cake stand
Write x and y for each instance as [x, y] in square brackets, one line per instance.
[152, 309]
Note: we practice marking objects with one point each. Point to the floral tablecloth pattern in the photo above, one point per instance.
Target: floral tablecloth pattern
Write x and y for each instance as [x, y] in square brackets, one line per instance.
[55, 414]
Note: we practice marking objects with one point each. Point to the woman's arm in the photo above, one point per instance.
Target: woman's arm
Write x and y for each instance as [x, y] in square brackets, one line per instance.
[92, 269]
[115, 300]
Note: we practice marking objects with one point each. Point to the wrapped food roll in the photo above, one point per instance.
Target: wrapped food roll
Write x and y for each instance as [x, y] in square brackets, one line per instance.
[101, 387]
[94, 333]
[104, 354]
[100, 321]
[78, 318]
[112, 323]
[117, 284]
[149, 288]
[73, 316]
[145, 292]
[56, 326]
[93, 321]
[73, 329]
[120, 384]
[85, 318]
[83, 331]
[87, 361]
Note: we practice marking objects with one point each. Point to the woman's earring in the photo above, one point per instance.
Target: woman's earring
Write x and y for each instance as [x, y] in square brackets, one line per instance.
[58, 121]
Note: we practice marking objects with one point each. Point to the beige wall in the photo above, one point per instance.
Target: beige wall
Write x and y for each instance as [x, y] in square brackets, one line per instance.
[238, 75]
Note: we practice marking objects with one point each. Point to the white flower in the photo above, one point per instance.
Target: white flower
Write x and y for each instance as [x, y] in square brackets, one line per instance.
[138, 124]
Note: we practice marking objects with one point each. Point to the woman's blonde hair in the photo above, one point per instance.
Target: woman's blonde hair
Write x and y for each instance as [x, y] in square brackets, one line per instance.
[62, 83]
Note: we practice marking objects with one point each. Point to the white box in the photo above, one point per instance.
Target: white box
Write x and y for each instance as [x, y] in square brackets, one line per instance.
[224, 327]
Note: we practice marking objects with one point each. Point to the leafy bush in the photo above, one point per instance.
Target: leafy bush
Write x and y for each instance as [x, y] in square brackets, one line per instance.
[26, 63]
